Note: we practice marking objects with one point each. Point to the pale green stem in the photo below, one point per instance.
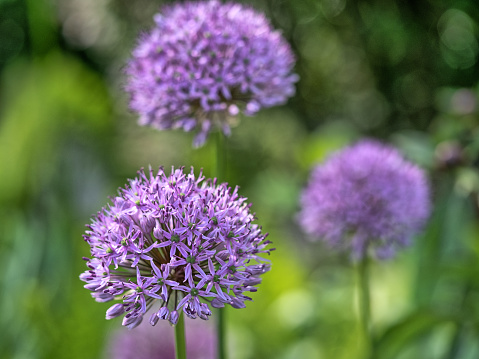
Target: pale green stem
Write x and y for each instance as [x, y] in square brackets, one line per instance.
[221, 333]
[220, 175]
[180, 341]
[365, 305]
[220, 157]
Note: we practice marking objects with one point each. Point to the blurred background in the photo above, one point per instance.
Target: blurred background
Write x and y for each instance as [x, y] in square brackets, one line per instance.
[406, 72]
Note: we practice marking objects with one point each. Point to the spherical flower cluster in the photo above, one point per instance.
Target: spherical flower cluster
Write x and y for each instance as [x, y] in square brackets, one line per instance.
[365, 197]
[176, 241]
[203, 63]
[147, 342]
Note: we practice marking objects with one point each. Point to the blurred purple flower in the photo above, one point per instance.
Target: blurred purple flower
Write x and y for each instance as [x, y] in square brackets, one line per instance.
[147, 342]
[203, 63]
[177, 242]
[365, 197]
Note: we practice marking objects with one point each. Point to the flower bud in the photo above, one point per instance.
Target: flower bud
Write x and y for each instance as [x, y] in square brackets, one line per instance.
[114, 311]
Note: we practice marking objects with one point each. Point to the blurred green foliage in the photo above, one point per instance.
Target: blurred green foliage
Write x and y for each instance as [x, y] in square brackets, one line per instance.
[404, 71]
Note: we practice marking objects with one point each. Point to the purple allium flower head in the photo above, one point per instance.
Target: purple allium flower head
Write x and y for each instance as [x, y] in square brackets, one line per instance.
[174, 243]
[365, 197]
[203, 63]
[147, 342]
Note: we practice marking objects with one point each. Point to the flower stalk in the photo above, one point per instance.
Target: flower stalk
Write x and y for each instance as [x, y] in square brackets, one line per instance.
[220, 174]
[364, 307]
[180, 341]
[221, 333]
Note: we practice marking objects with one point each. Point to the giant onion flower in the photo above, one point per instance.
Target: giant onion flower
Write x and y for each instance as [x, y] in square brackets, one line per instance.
[365, 198]
[205, 62]
[174, 242]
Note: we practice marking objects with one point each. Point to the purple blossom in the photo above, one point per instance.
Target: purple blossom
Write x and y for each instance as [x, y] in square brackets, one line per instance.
[176, 242]
[147, 342]
[365, 197]
[203, 63]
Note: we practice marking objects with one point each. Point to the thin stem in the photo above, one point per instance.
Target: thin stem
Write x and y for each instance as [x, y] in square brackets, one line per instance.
[364, 305]
[180, 342]
[220, 175]
[221, 334]
[220, 156]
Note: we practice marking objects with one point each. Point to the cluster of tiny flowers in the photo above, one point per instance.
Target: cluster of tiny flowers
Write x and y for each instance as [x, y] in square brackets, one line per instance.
[365, 197]
[147, 342]
[203, 63]
[177, 241]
